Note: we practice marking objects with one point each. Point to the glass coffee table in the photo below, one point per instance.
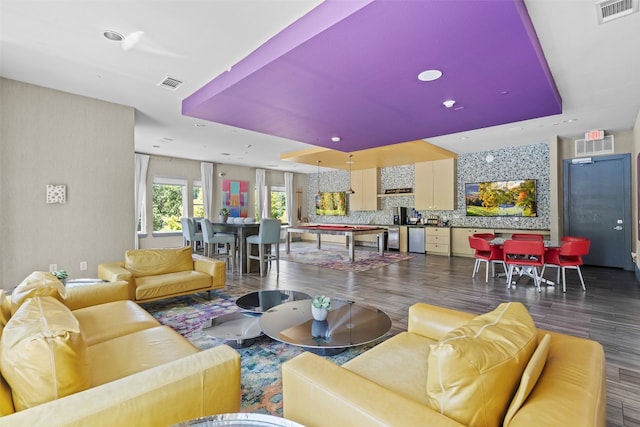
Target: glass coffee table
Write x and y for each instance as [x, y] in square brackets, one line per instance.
[260, 301]
[240, 329]
[239, 420]
[348, 324]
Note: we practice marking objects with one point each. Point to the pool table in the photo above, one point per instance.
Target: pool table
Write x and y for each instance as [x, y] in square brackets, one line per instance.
[349, 231]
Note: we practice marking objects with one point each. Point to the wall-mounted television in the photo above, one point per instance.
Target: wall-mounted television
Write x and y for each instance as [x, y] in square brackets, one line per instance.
[331, 203]
[501, 198]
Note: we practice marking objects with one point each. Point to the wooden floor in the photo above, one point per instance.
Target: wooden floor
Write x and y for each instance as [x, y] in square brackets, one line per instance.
[609, 311]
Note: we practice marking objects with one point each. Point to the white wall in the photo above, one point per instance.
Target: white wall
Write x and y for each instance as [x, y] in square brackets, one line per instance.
[52, 137]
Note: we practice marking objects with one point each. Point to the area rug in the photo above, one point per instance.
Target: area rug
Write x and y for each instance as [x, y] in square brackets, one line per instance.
[338, 259]
[260, 362]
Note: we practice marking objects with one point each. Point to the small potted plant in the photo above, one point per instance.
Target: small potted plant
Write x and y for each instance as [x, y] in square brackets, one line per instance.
[223, 214]
[320, 306]
[61, 275]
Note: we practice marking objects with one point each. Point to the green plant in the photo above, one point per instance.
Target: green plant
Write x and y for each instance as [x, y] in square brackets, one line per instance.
[321, 301]
[224, 211]
[60, 274]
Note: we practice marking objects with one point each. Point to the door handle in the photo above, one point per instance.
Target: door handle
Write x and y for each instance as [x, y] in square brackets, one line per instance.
[617, 227]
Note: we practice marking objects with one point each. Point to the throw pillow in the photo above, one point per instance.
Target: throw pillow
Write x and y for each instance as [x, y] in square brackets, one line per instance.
[37, 284]
[473, 372]
[43, 355]
[152, 262]
[529, 377]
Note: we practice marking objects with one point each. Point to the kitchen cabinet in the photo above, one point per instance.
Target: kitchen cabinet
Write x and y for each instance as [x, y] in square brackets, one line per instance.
[365, 184]
[438, 240]
[434, 185]
[460, 240]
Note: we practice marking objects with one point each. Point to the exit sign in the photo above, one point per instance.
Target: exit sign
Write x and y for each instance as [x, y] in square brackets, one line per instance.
[594, 135]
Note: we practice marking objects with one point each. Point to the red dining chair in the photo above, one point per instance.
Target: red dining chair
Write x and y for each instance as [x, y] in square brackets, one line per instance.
[486, 236]
[527, 255]
[568, 255]
[487, 253]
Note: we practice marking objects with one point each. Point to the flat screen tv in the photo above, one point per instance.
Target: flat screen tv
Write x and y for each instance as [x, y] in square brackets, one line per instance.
[331, 203]
[501, 198]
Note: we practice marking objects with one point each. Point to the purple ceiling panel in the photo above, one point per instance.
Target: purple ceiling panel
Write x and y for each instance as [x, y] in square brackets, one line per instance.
[349, 69]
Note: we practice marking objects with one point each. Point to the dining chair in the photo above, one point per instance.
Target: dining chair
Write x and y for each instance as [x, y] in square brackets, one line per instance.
[189, 233]
[568, 255]
[212, 240]
[268, 234]
[487, 253]
[527, 255]
[486, 236]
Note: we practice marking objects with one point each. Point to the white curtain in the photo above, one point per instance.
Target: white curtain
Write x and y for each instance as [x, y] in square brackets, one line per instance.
[288, 195]
[140, 192]
[261, 191]
[206, 171]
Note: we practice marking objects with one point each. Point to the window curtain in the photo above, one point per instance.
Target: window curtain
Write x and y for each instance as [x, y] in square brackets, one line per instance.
[206, 171]
[288, 196]
[140, 194]
[261, 191]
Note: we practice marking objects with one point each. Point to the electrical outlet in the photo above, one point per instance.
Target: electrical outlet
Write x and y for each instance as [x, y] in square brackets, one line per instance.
[53, 267]
[83, 265]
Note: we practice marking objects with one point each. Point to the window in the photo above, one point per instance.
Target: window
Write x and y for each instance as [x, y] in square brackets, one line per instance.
[198, 200]
[169, 203]
[278, 204]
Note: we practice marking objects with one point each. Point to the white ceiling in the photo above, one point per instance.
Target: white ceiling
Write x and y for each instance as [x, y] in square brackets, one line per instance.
[59, 44]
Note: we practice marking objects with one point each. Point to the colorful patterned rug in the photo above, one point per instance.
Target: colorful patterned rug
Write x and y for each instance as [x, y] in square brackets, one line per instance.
[260, 362]
[338, 259]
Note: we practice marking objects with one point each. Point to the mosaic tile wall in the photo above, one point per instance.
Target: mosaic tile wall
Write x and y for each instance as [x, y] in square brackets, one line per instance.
[525, 162]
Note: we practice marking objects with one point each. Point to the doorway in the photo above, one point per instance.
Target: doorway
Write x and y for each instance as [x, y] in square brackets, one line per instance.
[597, 205]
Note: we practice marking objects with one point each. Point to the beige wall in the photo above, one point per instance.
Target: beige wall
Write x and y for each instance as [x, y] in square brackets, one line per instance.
[189, 170]
[52, 137]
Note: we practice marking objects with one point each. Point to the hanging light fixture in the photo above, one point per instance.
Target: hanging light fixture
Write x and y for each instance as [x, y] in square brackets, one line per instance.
[350, 190]
[318, 179]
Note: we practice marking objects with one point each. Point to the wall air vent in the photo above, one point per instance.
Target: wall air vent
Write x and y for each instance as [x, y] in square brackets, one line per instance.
[598, 146]
[608, 10]
[170, 83]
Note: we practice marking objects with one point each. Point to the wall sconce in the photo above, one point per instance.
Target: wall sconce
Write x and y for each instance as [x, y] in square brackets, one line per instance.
[56, 193]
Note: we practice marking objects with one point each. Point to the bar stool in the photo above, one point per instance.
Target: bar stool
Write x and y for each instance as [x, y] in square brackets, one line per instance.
[268, 234]
[210, 238]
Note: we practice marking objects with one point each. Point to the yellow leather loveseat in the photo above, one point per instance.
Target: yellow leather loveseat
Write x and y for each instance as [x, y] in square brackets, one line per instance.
[452, 369]
[110, 364]
[155, 274]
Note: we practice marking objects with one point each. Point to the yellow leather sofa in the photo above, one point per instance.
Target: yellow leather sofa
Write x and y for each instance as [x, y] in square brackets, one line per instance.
[110, 364]
[444, 371]
[154, 274]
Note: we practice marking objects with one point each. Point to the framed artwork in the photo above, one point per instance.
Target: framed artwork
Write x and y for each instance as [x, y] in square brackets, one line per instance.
[235, 197]
[331, 203]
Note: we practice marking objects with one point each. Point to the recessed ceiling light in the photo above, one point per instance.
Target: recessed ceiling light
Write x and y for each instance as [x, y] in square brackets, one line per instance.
[336, 139]
[113, 35]
[504, 92]
[429, 75]
[464, 138]
[449, 103]
[199, 125]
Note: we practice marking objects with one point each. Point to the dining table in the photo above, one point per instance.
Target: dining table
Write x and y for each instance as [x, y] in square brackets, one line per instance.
[527, 271]
[241, 231]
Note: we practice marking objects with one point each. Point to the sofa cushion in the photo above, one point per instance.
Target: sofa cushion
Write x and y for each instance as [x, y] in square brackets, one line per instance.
[152, 287]
[103, 322]
[152, 262]
[37, 284]
[43, 355]
[529, 377]
[397, 364]
[5, 307]
[473, 372]
[135, 352]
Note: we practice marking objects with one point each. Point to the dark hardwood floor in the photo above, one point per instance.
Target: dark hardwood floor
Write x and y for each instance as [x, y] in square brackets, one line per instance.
[609, 311]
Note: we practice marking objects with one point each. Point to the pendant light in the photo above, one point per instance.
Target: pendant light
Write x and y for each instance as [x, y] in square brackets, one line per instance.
[318, 179]
[350, 190]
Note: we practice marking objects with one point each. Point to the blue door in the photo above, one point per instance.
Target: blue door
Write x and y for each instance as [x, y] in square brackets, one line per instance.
[597, 205]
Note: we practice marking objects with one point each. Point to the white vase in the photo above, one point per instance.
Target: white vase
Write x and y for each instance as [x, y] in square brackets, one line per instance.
[319, 314]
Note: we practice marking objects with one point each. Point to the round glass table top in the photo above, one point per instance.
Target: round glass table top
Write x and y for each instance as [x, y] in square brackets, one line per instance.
[239, 420]
[261, 301]
[348, 324]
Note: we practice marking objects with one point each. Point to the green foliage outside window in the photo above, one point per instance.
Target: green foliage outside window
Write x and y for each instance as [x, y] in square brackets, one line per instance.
[198, 202]
[278, 206]
[167, 207]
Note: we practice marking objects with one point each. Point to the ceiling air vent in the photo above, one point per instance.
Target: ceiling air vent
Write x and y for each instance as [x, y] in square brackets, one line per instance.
[170, 83]
[608, 10]
[598, 146]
